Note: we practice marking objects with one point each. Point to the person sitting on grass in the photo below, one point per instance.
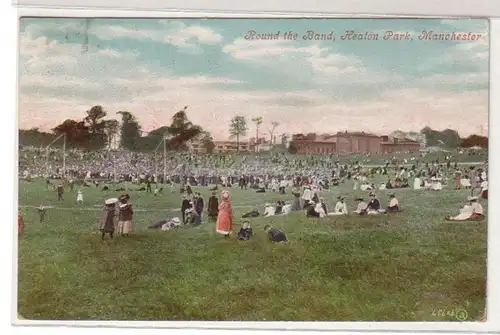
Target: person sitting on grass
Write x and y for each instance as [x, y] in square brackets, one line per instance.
[362, 207]
[393, 204]
[311, 210]
[269, 210]
[275, 235]
[340, 207]
[373, 206]
[245, 232]
[287, 208]
[473, 211]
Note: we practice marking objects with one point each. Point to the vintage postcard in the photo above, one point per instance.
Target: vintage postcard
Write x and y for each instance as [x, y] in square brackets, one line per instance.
[253, 169]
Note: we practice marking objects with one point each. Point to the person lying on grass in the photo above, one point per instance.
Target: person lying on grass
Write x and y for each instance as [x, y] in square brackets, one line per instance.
[275, 235]
[473, 211]
[245, 232]
[166, 224]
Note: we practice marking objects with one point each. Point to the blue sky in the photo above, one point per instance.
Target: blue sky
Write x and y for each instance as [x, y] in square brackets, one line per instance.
[153, 68]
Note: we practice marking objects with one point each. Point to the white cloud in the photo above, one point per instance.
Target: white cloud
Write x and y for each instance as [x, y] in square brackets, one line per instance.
[176, 33]
[118, 82]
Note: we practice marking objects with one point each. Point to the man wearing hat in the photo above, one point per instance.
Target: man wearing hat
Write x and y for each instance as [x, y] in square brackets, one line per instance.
[473, 211]
[373, 205]
[185, 205]
[213, 206]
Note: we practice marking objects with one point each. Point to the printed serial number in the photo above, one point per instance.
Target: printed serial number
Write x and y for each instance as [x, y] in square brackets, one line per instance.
[458, 313]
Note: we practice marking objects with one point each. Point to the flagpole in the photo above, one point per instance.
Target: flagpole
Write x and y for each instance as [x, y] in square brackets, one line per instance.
[164, 158]
[64, 156]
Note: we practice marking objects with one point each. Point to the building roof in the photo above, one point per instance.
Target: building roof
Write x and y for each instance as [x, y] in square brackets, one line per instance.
[355, 133]
[396, 140]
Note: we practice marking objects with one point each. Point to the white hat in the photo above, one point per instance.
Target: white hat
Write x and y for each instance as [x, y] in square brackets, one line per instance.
[471, 198]
[111, 201]
[176, 220]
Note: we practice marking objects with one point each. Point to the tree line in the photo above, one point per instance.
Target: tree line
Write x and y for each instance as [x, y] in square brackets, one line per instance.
[94, 132]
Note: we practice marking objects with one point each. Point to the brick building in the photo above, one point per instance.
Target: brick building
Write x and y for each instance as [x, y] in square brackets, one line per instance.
[391, 145]
[220, 146]
[344, 143]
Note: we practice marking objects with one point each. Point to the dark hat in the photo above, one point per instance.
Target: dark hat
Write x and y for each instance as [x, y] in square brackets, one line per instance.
[358, 199]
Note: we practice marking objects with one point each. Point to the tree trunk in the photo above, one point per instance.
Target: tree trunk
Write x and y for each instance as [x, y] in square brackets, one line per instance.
[237, 143]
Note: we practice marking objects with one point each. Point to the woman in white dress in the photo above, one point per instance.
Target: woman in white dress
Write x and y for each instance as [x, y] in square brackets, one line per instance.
[79, 197]
[416, 183]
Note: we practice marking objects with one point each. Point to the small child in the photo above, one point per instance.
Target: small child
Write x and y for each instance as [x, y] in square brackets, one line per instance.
[275, 235]
[79, 197]
[41, 213]
[245, 232]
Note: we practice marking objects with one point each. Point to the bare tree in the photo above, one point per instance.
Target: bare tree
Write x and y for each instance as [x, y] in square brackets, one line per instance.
[274, 125]
[258, 122]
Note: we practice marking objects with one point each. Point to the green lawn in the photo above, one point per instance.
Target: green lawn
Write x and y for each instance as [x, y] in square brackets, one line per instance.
[381, 268]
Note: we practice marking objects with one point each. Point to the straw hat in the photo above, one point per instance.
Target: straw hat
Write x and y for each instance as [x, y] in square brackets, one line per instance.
[472, 198]
[111, 201]
[176, 220]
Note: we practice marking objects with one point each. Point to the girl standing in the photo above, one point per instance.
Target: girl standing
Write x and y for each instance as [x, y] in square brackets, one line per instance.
[225, 216]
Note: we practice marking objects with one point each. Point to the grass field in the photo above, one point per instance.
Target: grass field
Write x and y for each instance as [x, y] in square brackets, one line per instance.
[409, 266]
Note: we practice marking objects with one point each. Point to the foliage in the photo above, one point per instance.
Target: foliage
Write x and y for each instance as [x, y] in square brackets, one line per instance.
[182, 131]
[447, 138]
[385, 268]
[77, 133]
[475, 141]
[238, 128]
[35, 138]
[96, 128]
[208, 142]
[130, 131]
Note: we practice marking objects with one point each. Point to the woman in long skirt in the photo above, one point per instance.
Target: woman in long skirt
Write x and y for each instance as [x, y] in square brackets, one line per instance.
[107, 224]
[225, 216]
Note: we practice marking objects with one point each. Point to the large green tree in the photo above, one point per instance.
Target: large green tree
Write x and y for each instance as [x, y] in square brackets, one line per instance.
[182, 130]
[238, 128]
[96, 127]
[130, 131]
[77, 133]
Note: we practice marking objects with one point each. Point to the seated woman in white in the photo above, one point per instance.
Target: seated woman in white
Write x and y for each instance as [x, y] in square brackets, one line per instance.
[393, 204]
[416, 183]
[473, 211]
[320, 210]
[465, 182]
[340, 207]
[365, 187]
[269, 210]
[436, 184]
[362, 207]
[382, 186]
[287, 209]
